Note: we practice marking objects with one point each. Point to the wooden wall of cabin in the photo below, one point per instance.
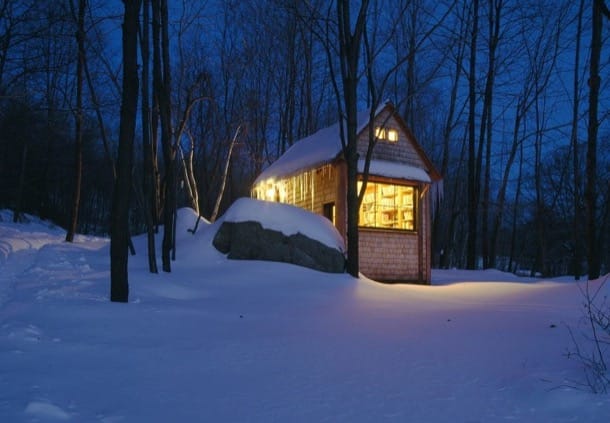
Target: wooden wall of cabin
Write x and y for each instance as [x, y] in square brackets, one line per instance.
[313, 189]
[398, 256]
[387, 255]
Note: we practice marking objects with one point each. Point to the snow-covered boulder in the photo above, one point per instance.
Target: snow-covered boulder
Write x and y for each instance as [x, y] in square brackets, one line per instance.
[259, 230]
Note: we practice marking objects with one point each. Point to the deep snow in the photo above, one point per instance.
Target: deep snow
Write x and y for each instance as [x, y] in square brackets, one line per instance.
[219, 340]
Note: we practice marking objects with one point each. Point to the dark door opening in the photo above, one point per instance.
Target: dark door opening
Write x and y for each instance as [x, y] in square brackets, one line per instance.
[329, 211]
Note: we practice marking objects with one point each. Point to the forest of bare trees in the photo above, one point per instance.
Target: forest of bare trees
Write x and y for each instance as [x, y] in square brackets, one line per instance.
[510, 98]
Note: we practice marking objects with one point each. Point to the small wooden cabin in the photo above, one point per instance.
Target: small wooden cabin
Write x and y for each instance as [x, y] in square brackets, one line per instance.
[395, 215]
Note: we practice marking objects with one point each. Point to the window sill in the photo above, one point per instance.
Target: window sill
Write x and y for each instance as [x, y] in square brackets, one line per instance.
[392, 230]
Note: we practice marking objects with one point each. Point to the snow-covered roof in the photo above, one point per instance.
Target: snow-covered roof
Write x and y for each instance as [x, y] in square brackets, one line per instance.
[315, 150]
[395, 170]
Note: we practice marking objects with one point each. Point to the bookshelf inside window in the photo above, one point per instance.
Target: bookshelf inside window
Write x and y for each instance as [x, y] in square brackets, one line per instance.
[388, 206]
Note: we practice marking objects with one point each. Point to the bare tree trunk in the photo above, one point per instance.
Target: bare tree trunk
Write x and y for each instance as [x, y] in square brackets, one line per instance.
[189, 175]
[577, 222]
[154, 134]
[594, 260]
[411, 63]
[119, 285]
[501, 198]
[162, 82]
[308, 126]
[224, 176]
[541, 244]
[350, 43]
[540, 216]
[148, 180]
[103, 135]
[44, 205]
[473, 182]
[288, 110]
[513, 240]
[21, 187]
[449, 253]
[494, 15]
[100, 121]
[80, 38]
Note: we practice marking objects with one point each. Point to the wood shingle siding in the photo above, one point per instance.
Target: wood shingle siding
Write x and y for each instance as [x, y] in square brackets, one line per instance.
[402, 151]
[388, 255]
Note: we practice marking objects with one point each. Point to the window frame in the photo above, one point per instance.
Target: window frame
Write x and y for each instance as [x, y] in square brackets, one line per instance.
[389, 135]
[372, 211]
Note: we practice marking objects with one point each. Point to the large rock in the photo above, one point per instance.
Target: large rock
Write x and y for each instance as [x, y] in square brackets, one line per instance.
[250, 241]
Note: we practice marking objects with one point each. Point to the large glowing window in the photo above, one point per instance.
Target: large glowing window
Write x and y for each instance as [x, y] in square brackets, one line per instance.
[388, 206]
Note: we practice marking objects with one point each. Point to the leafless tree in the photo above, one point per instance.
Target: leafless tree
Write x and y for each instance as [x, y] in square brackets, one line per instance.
[591, 197]
[78, 114]
[473, 181]
[444, 241]
[150, 188]
[162, 92]
[119, 286]
[577, 222]
[350, 39]
[494, 17]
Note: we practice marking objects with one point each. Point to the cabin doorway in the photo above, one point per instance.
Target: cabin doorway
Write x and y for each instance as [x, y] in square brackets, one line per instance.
[328, 210]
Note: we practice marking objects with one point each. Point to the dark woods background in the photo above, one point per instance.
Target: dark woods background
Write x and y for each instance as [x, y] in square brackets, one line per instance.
[258, 73]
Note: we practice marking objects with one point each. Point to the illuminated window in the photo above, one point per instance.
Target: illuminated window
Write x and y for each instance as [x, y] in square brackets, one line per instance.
[390, 135]
[388, 206]
[380, 133]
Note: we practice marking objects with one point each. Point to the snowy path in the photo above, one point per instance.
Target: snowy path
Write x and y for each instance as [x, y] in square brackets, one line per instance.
[37, 266]
[40, 254]
[18, 251]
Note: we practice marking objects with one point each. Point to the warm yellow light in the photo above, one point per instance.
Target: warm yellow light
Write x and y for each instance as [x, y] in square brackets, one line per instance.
[270, 194]
[283, 193]
[270, 191]
[379, 133]
[388, 206]
[392, 135]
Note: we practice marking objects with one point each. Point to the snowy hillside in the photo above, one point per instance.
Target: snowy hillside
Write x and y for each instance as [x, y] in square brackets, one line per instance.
[235, 341]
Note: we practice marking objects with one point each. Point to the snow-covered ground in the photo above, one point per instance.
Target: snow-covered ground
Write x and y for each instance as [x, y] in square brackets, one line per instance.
[239, 341]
